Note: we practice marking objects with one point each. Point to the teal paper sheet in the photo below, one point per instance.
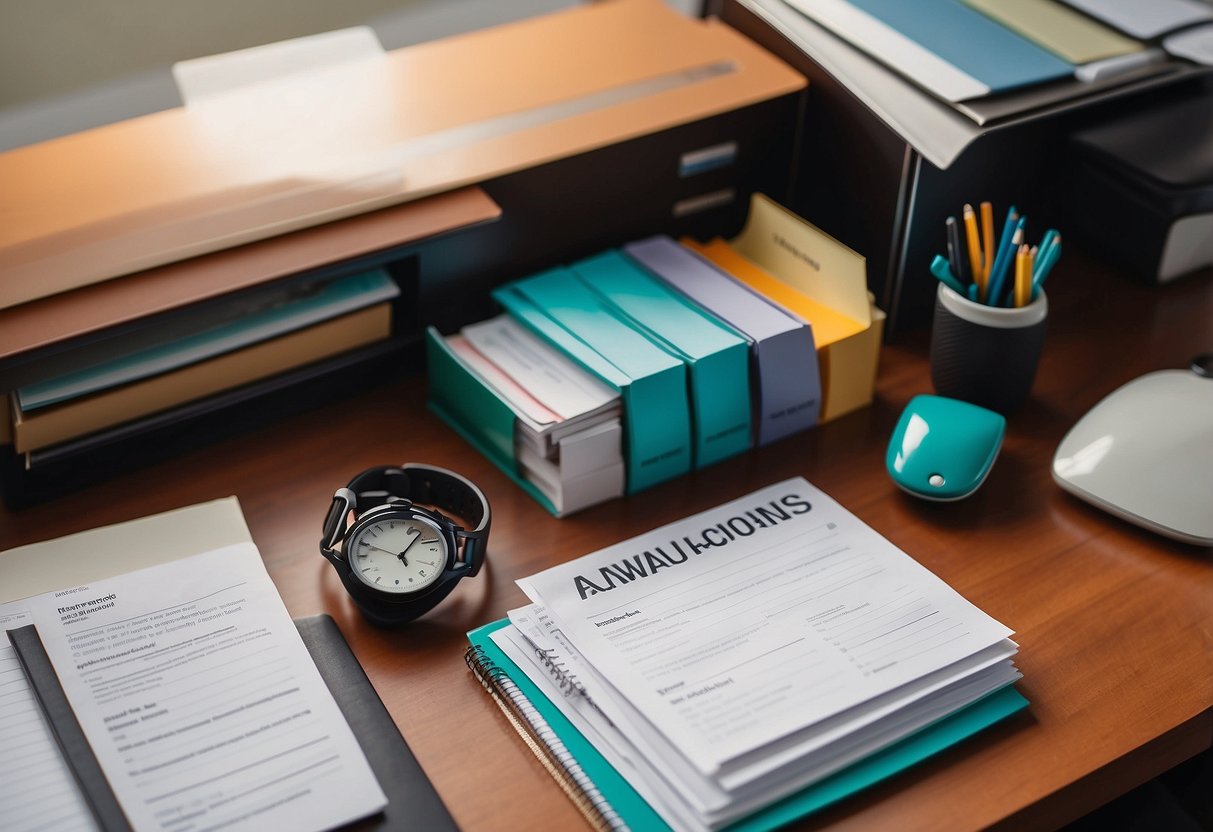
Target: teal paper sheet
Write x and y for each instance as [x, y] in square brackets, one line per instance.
[639, 815]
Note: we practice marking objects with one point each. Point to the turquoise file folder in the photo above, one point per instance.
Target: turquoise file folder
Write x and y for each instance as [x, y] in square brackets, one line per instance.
[562, 310]
[475, 411]
[716, 357]
[637, 814]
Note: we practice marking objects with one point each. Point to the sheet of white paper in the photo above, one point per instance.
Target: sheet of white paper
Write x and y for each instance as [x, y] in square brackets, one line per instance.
[525, 406]
[1195, 44]
[548, 375]
[200, 700]
[1145, 19]
[123, 547]
[882, 41]
[37, 790]
[201, 78]
[735, 627]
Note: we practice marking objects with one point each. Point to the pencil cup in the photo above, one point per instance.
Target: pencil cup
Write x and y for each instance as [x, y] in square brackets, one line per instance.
[983, 354]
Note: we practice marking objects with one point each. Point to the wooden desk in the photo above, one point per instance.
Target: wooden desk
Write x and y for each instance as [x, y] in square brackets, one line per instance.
[1115, 624]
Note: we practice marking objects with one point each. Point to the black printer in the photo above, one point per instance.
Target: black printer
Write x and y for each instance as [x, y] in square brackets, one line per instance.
[1139, 189]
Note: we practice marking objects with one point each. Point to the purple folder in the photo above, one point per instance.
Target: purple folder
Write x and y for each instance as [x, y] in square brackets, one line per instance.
[786, 384]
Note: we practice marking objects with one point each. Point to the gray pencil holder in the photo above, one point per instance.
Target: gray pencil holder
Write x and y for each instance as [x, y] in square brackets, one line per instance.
[983, 354]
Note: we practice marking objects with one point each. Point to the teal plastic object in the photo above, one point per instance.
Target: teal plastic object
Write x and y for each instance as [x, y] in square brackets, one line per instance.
[942, 449]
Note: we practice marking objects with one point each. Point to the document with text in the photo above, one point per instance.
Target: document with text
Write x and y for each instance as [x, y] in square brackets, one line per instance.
[199, 699]
[752, 633]
[37, 790]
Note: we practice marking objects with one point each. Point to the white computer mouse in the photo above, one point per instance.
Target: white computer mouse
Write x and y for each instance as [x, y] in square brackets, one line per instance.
[1145, 454]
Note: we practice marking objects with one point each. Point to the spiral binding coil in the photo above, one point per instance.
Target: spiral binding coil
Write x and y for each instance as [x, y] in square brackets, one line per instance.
[543, 742]
[567, 684]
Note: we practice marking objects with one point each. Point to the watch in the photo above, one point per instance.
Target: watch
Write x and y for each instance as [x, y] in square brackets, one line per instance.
[398, 559]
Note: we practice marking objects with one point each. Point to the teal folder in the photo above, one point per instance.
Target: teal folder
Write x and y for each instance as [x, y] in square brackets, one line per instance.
[716, 357]
[475, 410]
[637, 814]
[566, 313]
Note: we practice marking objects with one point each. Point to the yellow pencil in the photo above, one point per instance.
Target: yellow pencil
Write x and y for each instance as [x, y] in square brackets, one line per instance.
[1023, 276]
[975, 257]
[987, 239]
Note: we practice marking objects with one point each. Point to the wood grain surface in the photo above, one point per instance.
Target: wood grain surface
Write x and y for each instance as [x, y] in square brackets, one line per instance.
[1115, 624]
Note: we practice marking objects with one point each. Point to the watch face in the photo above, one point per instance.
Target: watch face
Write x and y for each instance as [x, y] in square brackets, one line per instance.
[398, 553]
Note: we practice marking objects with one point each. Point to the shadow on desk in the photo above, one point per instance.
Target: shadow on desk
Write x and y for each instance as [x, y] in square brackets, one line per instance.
[1177, 801]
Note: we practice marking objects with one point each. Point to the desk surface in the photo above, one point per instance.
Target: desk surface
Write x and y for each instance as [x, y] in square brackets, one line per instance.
[1115, 624]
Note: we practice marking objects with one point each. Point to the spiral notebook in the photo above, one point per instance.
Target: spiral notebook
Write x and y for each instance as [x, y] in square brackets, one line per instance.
[608, 802]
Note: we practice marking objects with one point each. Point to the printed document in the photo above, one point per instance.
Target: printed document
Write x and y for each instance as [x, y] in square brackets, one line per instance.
[199, 699]
[37, 789]
[548, 375]
[741, 631]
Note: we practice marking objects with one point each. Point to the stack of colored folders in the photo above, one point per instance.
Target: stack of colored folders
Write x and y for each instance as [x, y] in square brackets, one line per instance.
[558, 423]
[205, 351]
[1000, 272]
[700, 351]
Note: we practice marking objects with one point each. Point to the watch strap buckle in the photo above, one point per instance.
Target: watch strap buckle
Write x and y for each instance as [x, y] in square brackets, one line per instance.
[473, 549]
[336, 521]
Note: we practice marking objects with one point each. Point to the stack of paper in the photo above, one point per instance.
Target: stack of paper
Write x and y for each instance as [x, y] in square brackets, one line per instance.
[199, 353]
[954, 52]
[191, 693]
[732, 660]
[568, 434]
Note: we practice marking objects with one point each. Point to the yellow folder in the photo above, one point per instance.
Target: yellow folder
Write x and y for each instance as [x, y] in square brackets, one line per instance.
[1058, 28]
[818, 279]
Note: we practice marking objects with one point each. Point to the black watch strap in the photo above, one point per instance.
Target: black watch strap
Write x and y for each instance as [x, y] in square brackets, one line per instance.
[433, 486]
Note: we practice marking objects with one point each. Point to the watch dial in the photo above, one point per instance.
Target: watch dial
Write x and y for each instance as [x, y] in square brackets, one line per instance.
[398, 554]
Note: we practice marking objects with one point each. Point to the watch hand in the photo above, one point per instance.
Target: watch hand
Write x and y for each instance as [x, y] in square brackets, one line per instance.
[403, 559]
[380, 548]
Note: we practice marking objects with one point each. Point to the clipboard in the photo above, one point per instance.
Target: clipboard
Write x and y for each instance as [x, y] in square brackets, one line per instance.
[413, 803]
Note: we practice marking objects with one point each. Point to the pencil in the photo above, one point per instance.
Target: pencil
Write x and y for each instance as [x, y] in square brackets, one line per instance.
[1005, 274]
[1006, 253]
[1045, 264]
[1046, 250]
[974, 243]
[943, 273]
[987, 240]
[1023, 276]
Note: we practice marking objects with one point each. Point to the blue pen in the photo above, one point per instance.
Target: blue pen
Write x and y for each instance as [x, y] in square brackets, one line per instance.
[1046, 244]
[943, 273]
[1012, 236]
[1047, 262]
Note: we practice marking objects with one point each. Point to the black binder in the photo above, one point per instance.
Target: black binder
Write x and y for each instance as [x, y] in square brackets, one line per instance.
[413, 804]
